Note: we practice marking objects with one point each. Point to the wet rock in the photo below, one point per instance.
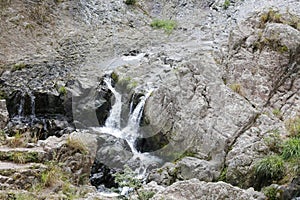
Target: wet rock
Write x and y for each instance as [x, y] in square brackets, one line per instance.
[91, 103]
[291, 190]
[195, 189]
[113, 153]
[3, 114]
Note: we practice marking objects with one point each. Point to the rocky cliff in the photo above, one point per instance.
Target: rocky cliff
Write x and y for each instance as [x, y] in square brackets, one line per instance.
[223, 117]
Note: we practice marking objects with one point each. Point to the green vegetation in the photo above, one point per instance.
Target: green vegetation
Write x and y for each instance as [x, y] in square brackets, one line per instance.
[226, 4]
[167, 25]
[20, 157]
[2, 95]
[291, 149]
[127, 178]
[18, 66]
[277, 112]
[270, 16]
[293, 126]
[223, 174]
[271, 193]
[62, 90]
[270, 168]
[130, 2]
[115, 77]
[274, 142]
[17, 141]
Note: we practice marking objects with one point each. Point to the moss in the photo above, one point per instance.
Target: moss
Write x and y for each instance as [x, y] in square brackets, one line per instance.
[130, 2]
[226, 4]
[2, 95]
[115, 77]
[167, 25]
[62, 90]
[18, 66]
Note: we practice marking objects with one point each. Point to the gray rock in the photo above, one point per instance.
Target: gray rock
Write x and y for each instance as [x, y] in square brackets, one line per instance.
[195, 189]
[3, 114]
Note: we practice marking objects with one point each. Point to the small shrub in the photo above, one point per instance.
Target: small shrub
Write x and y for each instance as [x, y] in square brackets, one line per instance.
[293, 126]
[167, 25]
[130, 2]
[270, 16]
[270, 168]
[51, 176]
[62, 90]
[271, 193]
[127, 178]
[291, 148]
[226, 4]
[146, 195]
[17, 141]
[18, 157]
[274, 142]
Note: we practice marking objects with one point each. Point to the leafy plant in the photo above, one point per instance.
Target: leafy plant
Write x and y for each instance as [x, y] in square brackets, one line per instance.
[270, 168]
[127, 178]
[271, 193]
[291, 148]
[167, 25]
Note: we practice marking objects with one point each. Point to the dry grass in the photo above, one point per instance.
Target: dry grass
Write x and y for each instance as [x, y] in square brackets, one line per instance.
[77, 144]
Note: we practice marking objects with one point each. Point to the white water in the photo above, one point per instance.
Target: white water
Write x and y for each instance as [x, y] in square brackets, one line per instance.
[114, 119]
[131, 131]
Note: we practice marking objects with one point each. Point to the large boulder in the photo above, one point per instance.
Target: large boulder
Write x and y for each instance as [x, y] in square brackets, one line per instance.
[195, 189]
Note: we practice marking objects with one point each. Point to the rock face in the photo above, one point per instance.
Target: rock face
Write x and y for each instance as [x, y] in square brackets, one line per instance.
[195, 189]
[3, 114]
[224, 81]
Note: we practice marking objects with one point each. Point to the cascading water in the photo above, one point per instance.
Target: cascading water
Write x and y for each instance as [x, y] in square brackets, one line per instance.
[131, 131]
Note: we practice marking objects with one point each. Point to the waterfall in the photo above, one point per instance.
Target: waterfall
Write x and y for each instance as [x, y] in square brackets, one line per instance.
[32, 103]
[131, 131]
[114, 119]
[21, 106]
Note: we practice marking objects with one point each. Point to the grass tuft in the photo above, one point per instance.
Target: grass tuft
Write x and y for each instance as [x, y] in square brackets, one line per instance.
[167, 25]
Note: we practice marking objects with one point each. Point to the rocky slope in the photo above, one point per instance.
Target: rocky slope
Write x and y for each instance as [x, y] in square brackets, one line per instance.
[225, 103]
